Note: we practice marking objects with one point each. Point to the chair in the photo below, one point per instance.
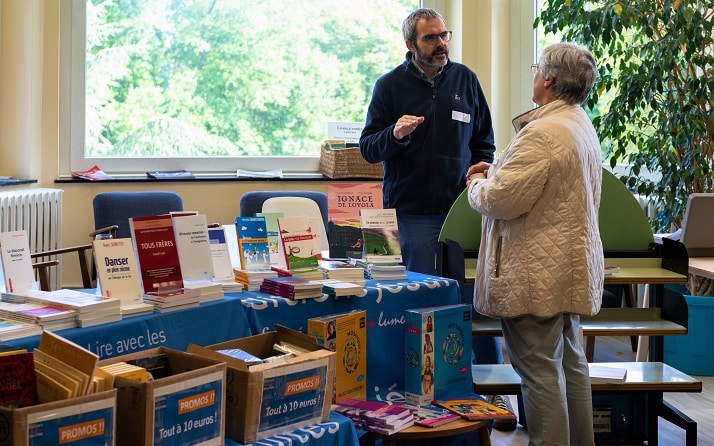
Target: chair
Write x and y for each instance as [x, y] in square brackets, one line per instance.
[115, 208]
[290, 203]
[43, 265]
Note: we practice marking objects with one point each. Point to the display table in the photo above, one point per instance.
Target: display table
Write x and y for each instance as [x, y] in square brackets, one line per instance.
[337, 431]
[209, 323]
[384, 303]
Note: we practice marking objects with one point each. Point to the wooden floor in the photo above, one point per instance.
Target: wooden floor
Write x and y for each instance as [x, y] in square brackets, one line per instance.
[698, 406]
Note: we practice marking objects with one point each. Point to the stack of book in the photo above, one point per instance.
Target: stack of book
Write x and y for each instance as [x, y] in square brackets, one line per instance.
[381, 271]
[45, 316]
[429, 415]
[125, 370]
[251, 280]
[172, 300]
[292, 287]
[210, 291]
[339, 288]
[373, 416]
[91, 309]
[10, 329]
[339, 270]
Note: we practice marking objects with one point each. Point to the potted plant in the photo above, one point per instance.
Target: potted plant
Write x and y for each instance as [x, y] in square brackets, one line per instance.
[654, 99]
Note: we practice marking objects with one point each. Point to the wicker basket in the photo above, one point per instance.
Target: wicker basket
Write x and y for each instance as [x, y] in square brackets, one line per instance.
[347, 163]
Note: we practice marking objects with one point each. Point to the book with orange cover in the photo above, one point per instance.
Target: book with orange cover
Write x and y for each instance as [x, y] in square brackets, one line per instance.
[473, 408]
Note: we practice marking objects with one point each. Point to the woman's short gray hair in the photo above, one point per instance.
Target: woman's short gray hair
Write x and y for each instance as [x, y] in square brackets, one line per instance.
[572, 69]
[410, 23]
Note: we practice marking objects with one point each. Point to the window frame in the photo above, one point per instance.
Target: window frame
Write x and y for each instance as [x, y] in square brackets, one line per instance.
[72, 49]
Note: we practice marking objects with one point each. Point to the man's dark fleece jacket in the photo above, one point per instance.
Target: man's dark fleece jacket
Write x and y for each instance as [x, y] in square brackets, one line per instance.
[425, 171]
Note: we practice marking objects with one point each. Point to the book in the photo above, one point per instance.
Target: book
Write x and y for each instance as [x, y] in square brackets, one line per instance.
[232, 243]
[15, 261]
[253, 243]
[69, 357]
[157, 366]
[299, 244]
[607, 374]
[339, 288]
[95, 173]
[170, 174]
[429, 415]
[118, 274]
[18, 383]
[437, 360]
[474, 408]
[291, 287]
[273, 233]
[337, 269]
[220, 257]
[375, 416]
[381, 236]
[194, 247]
[156, 251]
[344, 201]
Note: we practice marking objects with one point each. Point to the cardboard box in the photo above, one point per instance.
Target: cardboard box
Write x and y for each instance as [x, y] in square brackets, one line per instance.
[438, 353]
[186, 407]
[345, 334]
[90, 419]
[272, 398]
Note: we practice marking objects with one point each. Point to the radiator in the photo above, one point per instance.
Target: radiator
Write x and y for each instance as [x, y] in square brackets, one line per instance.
[39, 212]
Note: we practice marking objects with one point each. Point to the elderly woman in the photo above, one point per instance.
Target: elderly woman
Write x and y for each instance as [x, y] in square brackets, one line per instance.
[540, 263]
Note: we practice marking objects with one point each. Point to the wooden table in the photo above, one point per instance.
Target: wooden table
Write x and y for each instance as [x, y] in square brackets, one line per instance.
[652, 379]
[426, 434]
[702, 266]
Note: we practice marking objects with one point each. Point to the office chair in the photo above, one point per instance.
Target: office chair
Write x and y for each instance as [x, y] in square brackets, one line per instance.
[115, 208]
[290, 203]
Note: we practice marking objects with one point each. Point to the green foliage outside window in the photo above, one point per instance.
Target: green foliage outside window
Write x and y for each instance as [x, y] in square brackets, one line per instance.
[232, 77]
[656, 62]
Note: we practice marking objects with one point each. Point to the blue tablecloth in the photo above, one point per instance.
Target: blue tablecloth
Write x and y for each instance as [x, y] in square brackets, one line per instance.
[209, 323]
[384, 302]
[337, 431]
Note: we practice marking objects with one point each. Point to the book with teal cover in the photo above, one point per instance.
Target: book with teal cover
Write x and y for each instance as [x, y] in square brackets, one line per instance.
[253, 243]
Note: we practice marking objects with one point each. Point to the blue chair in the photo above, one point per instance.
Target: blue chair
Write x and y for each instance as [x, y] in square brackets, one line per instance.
[115, 208]
[252, 202]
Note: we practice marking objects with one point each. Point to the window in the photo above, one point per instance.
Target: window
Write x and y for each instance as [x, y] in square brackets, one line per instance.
[216, 85]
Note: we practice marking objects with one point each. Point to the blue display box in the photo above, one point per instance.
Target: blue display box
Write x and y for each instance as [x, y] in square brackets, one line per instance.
[693, 353]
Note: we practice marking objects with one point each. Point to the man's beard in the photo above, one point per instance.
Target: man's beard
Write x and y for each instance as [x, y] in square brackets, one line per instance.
[428, 58]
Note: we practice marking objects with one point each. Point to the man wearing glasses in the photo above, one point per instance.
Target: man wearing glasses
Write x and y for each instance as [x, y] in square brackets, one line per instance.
[427, 123]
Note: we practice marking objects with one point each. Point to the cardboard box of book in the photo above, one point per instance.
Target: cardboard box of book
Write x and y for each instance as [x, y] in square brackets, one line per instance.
[183, 404]
[280, 392]
[438, 352]
[89, 419]
[346, 335]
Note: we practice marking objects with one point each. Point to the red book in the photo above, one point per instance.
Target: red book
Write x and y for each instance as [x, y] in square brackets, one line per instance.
[18, 386]
[155, 246]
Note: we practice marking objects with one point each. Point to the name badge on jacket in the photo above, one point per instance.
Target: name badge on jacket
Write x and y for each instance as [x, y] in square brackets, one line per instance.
[460, 116]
